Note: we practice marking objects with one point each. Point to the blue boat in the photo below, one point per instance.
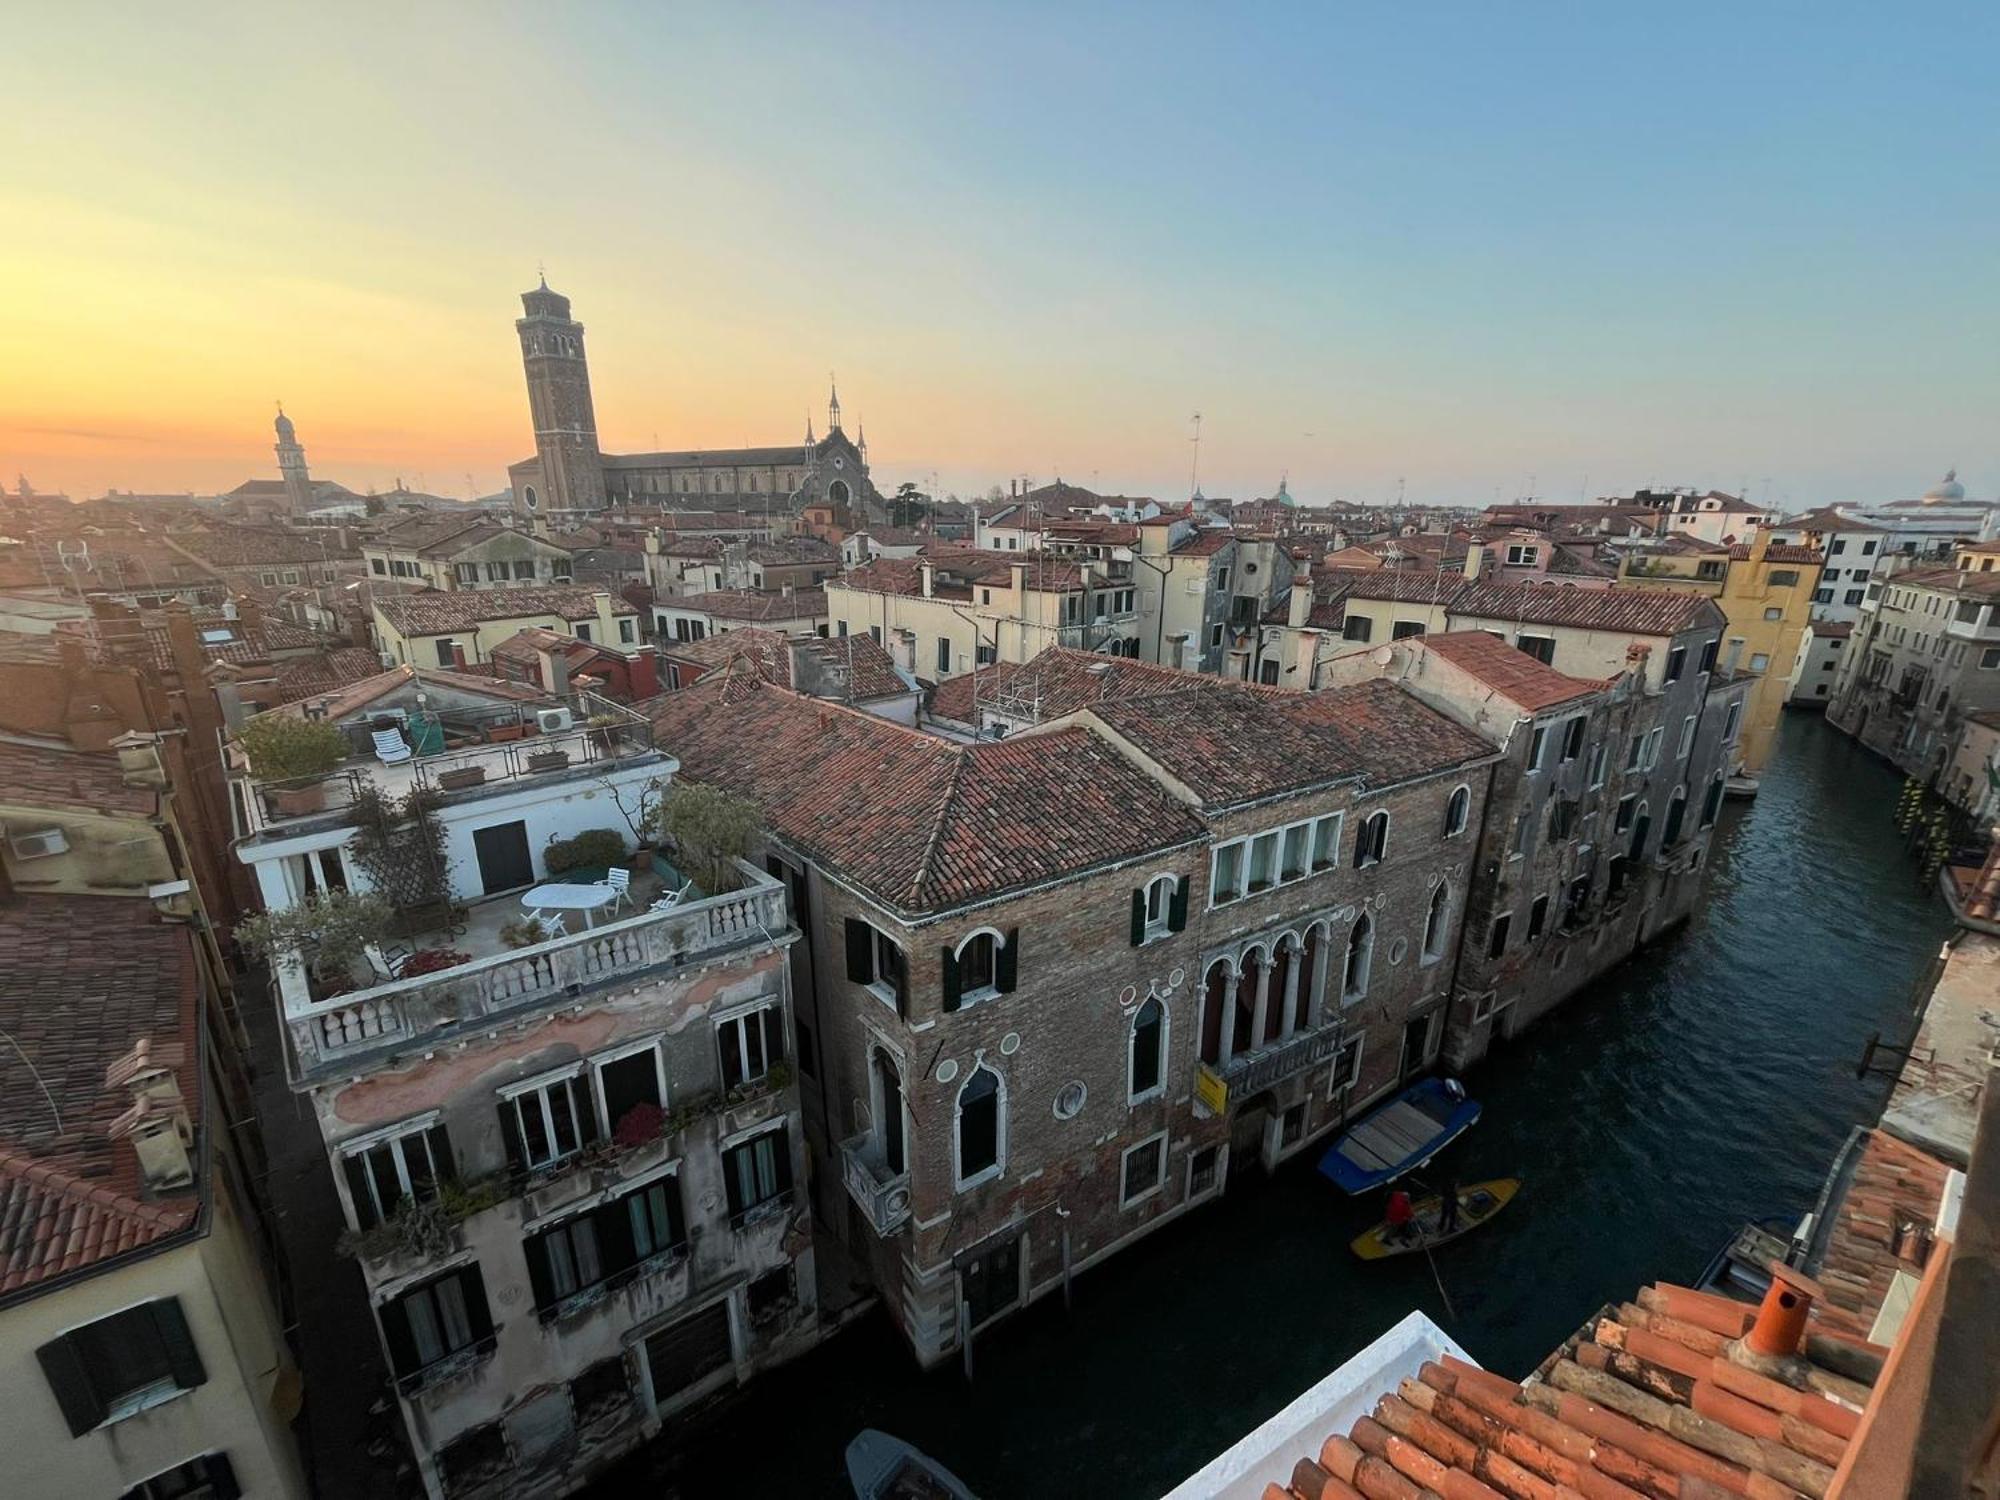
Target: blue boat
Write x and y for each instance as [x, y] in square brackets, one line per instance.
[1400, 1136]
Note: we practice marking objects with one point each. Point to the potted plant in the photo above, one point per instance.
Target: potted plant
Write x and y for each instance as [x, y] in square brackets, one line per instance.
[603, 728]
[548, 760]
[710, 829]
[301, 752]
[525, 932]
[458, 778]
[328, 932]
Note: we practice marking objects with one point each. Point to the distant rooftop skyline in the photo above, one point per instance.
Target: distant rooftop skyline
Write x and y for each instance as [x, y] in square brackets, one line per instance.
[1477, 251]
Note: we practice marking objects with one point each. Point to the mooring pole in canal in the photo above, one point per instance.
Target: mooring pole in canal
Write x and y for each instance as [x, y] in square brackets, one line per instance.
[1063, 1214]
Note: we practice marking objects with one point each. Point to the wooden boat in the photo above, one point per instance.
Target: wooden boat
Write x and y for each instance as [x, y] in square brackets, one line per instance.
[1476, 1204]
[881, 1467]
[1400, 1136]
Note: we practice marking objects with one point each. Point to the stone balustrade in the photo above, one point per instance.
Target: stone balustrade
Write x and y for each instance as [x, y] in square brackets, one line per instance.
[330, 1035]
[883, 1195]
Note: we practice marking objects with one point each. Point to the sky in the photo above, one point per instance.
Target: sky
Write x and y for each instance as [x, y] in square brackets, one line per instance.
[1460, 252]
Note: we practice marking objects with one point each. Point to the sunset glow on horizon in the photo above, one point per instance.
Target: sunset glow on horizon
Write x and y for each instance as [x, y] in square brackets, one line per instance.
[1468, 250]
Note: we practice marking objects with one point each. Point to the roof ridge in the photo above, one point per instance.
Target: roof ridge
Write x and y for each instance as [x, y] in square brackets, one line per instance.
[936, 835]
[48, 1175]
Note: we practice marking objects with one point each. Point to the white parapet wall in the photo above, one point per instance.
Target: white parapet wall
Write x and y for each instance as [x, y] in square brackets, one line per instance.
[1266, 1454]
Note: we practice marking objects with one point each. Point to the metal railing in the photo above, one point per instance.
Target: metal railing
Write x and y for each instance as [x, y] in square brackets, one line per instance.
[883, 1195]
[1252, 1071]
[329, 1035]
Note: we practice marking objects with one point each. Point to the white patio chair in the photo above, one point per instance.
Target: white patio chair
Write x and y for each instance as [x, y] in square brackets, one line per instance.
[673, 898]
[389, 747]
[553, 924]
[620, 880]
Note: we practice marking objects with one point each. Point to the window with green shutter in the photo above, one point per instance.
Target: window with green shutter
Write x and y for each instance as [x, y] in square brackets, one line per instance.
[120, 1365]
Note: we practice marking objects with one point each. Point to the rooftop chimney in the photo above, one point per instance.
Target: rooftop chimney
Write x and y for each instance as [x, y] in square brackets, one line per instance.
[1475, 560]
[1299, 606]
[157, 1121]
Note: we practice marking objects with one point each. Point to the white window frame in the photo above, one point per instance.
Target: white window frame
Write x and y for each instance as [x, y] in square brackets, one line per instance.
[1332, 823]
[1132, 1095]
[1159, 1184]
[1538, 748]
[1359, 992]
[1732, 721]
[1459, 802]
[393, 1135]
[599, 1061]
[1523, 554]
[513, 1093]
[1159, 891]
[1600, 754]
[739, 1019]
[1687, 738]
[1335, 1085]
[1378, 848]
[960, 1182]
[1426, 953]
[1651, 757]
[991, 989]
[878, 987]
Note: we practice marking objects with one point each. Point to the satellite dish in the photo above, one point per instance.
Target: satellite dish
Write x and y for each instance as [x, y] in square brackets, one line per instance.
[1383, 656]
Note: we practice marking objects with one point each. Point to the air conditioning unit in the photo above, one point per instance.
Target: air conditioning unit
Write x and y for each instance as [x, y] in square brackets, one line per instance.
[38, 845]
[552, 720]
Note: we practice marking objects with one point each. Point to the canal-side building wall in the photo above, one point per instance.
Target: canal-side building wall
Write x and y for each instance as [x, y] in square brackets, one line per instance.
[1144, 1038]
[1596, 826]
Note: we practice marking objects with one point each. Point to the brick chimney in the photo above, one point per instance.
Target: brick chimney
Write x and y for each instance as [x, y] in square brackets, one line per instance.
[156, 1123]
[1299, 606]
[249, 614]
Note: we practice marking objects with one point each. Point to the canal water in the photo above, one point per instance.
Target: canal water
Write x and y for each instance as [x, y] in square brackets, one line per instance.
[1708, 1081]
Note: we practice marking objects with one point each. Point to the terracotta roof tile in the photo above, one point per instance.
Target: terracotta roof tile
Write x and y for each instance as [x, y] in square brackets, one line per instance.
[1520, 678]
[223, 546]
[861, 667]
[56, 776]
[82, 978]
[754, 604]
[1630, 608]
[921, 824]
[434, 613]
[1892, 1186]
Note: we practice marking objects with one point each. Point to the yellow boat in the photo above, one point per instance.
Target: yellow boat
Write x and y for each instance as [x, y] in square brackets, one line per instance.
[1477, 1202]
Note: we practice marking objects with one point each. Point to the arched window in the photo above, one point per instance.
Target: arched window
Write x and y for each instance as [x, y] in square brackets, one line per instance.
[1437, 921]
[1676, 815]
[886, 1101]
[1641, 826]
[836, 493]
[979, 1127]
[1360, 954]
[975, 969]
[1456, 811]
[1712, 803]
[1215, 996]
[1309, 979]
[1372, 842]
[1149, 1051]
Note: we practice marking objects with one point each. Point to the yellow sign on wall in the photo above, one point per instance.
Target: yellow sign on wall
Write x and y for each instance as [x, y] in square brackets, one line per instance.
[1210, 1090]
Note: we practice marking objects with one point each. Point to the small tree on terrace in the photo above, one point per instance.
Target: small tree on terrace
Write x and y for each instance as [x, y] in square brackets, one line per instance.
[327, 931]
[710, 829]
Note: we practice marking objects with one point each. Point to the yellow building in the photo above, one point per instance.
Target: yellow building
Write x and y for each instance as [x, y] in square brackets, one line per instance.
[140, 1345]
[939, 616]
[1765, 592]
[462, 628]
[464, 552]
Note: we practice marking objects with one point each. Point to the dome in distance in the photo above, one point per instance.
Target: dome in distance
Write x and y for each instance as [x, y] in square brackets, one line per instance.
[1948, 489]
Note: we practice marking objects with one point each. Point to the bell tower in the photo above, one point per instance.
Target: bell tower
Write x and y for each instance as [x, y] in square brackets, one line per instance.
[292, 465]
[560, 406]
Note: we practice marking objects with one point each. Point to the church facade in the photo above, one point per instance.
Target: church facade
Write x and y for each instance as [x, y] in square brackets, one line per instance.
[570, 477]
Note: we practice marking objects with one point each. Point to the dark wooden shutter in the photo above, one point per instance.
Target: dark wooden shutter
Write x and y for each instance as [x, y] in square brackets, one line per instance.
[536, 1252]
[583, 1105]
[477, 1314]
[860, 960]
[1138, 917]
[221, 1476]
[396, 1334]
[441, 1158]
[616, 1249]
[1006, 962]
[510, 1138]
[899, 982]
[948, 961]
[781, 1148]
[71, 1383]
[183, 1359]
[1177, 907]
[356, 1168]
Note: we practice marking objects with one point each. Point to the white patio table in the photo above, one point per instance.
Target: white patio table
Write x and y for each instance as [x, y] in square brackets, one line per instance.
[561, 896]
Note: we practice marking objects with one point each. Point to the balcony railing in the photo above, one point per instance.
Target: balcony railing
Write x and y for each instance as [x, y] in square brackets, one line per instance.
[883, 1195]
[330, 1034]
[1252, 1071]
